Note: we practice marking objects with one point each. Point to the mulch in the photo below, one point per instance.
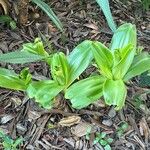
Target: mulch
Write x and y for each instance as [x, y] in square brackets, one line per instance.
[42, 129]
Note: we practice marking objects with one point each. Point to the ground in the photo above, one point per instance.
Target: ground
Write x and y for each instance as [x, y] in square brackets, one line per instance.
[42, 129]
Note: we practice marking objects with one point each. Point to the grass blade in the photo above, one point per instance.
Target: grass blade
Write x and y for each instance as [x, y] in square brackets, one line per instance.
[49, 12]
[104, 5]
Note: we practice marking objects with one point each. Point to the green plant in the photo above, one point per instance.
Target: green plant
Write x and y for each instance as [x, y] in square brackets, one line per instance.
[64, 70]
[122, 128]
[116, 65]
[103, 140]
[8, 21]
[104, 5]
[8, 143]
[146, 4]
[49, 12]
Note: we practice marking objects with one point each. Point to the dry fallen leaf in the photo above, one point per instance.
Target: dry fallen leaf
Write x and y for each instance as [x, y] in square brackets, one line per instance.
[69, 121]
[144, 128]
[81, 129]
[4, 5]
[33, 115]
[92, 26]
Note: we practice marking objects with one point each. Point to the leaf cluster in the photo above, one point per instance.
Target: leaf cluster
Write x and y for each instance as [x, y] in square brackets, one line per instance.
[116, 65]
[8, 143]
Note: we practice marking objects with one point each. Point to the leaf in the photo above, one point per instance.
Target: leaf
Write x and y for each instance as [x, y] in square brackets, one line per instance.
[125, 62]
[104, 4]
[144, 80]
[25, 75]
[44, 92]
[60, 68]
[103, 58]
[103, 142]
[83, 128]
[85, 92]
[17, 142]
[114, 92]
[107, 147]
[141, 63]
[103, 134]
[109, 140]
[69, 121]
[8, 20]
[19, 57]
[10, 80]
[124, 35]
[79, 59]
[36, 48]
[45, 7]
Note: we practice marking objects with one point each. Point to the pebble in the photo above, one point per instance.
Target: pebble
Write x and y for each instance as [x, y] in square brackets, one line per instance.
[112, 112]
[107, 122]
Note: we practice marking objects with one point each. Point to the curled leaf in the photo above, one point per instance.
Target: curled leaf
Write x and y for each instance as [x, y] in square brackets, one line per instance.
[60, 68]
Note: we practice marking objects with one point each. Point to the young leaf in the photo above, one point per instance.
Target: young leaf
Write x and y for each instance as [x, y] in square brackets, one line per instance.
[8, 79]
[141, 63]
[25, 75]
[114, 92]
[20, 57]
[107, 147]
[36, 48]
[44, 92]
[124, 35]
[104, 4]
[17, 142]
[123, 65]
[79, 59]
[49, 12]
[85, 92]
[104, 58]
[60, 68]
[8, 21]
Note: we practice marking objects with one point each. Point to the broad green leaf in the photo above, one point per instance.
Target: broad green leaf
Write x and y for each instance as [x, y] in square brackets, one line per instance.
[141, 63]
[114, 92]
[44, 92]
[79, 59]
[60, 68]
[127, 56]
[20, 57]
[36, 48]
[10, 80]
[103, 58]
[85, 92]
[46, 8]
[124, 35]
[104, 4]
